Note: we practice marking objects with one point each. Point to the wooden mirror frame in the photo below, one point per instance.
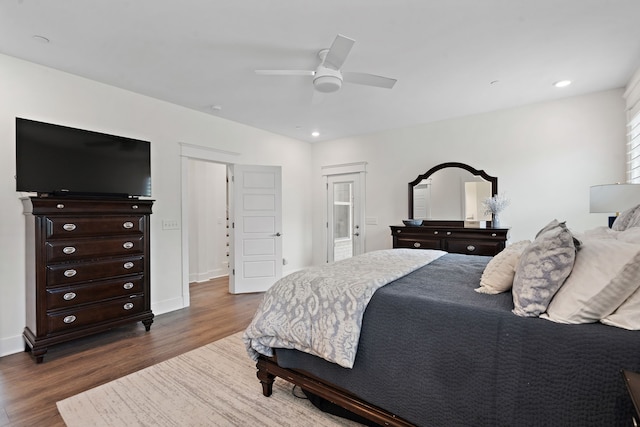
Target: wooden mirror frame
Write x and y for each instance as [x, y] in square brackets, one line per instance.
[492, 179]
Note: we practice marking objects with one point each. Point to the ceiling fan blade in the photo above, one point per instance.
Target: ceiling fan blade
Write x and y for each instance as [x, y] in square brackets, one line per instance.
[285, 72]
[338, 52]
[368, 79]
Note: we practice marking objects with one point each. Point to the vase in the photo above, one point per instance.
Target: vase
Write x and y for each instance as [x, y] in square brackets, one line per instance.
[495, 223]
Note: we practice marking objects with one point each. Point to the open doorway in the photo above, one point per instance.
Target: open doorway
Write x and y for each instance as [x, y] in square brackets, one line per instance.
[244, 207]
[208, 218]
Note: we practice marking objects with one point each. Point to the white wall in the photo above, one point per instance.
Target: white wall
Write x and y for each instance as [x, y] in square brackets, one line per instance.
[40, 93]
[546, 156]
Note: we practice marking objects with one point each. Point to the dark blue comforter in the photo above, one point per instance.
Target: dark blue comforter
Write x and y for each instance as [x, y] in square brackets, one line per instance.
[437, 353]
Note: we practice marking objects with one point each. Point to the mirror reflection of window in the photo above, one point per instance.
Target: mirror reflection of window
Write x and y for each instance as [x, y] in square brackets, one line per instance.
[474, 194]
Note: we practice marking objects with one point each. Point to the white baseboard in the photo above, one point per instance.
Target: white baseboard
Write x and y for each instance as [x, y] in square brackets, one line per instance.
[160, 307]
[11, 345]
[211, 274]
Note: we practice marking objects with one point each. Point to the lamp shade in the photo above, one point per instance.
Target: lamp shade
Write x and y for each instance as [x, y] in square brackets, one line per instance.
[613, 197]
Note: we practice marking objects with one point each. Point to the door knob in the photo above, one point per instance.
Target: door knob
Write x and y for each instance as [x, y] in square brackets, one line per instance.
[278, 234]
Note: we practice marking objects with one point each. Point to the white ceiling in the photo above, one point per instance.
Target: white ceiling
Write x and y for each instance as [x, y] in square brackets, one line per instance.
[445, 54]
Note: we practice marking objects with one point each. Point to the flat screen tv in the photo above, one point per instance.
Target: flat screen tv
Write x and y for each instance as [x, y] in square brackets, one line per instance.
[60, 160]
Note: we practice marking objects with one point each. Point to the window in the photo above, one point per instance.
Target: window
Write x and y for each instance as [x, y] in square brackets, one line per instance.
[342, 210]
[632, 96]
[633, 151]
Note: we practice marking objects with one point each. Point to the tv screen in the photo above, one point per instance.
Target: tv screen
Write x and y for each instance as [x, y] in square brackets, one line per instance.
[59, 160]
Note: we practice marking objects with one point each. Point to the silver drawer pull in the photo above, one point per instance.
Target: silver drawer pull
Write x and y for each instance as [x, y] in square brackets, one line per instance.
[68, 250]
[435, 232]
[128, 265]
[128, 306]
[448, 233]
[471, 248]
[70, 273]
[127, 245]
[493, 234]
[128, 224]
[69, 227]
[60, 206]
[69, 319]
[69, 296]
[416, 245]
[134, 207]
[128, 285]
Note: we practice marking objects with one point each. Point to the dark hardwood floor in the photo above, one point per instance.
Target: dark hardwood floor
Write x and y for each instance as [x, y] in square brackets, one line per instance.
[29, 391]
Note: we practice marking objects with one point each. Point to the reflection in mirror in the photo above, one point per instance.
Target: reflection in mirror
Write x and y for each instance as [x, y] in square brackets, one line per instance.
[474, 194]
[451, 191]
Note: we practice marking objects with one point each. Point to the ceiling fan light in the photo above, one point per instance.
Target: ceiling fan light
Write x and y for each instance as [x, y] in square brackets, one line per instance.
[327, 84]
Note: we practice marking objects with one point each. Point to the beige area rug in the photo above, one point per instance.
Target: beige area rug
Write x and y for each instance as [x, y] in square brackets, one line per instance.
[214, 385]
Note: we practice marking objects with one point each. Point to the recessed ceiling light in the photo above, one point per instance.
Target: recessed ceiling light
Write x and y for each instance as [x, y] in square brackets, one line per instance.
[40, 39]
[315, 134]
[562, 83]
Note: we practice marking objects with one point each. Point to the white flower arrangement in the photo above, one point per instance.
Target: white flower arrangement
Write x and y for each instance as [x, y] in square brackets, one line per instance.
[495, 205]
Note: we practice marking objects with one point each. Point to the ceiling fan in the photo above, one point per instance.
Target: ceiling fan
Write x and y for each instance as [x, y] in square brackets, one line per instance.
[328, 77]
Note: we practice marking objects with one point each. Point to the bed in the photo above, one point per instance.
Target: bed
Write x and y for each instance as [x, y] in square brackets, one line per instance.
[436, 349]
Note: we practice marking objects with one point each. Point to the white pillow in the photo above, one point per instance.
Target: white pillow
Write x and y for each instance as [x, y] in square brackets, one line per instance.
[498, 275]
[630, 235]
[597, 233]
[606, 272]
[627, 219]
[627, 316]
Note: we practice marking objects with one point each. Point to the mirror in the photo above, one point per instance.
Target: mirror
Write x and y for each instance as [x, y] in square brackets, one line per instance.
[451, 191]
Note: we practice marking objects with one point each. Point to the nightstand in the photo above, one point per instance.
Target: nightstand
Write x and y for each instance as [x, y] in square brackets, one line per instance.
[632, 381]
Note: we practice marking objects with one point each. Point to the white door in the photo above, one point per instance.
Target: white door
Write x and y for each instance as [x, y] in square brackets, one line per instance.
[345, 225]
[255, 208]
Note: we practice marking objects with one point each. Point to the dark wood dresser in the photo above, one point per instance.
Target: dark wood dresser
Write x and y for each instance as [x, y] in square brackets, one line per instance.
[450, 236]
[87, 267]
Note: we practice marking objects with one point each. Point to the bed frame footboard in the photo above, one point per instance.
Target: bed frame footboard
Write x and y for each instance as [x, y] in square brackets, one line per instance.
[268, 370]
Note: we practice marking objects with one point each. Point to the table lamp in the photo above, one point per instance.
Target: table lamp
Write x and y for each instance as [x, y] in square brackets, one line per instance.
[611, 198]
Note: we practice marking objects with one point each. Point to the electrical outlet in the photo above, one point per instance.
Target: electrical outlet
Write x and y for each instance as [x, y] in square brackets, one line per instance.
[170, 224]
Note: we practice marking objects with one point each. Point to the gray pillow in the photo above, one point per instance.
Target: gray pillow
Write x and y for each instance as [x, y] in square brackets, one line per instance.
[627, 219]
[543, 267]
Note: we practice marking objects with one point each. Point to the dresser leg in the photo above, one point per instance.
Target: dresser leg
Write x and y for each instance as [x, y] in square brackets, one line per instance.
[147, 324]
[38, 354]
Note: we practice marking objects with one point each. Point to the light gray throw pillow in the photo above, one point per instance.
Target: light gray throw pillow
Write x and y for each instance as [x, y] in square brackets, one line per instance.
[627, 219]
[543, 267]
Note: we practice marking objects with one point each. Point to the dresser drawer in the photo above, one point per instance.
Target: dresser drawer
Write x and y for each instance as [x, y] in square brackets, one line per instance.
[73, 206]
[70, 296]
[62, 274]
[71, 227]
[95, 313]
[71, 250]
[407, 242]
[473, 247]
